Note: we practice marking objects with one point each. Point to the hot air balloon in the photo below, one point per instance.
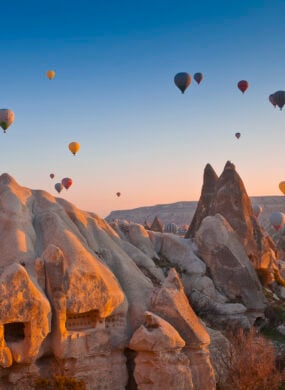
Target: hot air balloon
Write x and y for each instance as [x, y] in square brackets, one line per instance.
[171, 228]
[279, 98]
[51, 175]
[272, 100]
[66, 182]
[257, 210]
[198, 77]
[237, 135]
[58, 187]
[74, 147]
[242, 85]
[277, 219]
[182, 81]
[50, 74]
[118, 194]
[6, 118]
[282, 187]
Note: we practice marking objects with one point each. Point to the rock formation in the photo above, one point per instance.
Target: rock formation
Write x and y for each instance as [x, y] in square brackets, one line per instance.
[229, 267]
[227, 196]
[75, 292]
[208, 191]
[159, 361]
[156, 225]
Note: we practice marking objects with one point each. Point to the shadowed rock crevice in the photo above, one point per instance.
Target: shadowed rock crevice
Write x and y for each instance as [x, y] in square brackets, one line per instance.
[130, 356]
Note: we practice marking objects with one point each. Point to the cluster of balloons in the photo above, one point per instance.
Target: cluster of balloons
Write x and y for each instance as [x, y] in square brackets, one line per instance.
[66, 182]
[277, 99]
[182, 80]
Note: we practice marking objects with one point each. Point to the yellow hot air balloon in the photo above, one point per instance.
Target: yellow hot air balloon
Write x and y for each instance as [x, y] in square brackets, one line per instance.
[282, 186]
[6, 118]
[50, 74]
[74, 147]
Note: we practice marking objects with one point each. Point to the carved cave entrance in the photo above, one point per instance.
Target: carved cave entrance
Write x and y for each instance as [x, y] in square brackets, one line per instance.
[14, 332]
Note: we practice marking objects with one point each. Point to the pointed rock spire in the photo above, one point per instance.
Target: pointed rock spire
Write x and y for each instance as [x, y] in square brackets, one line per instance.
[227, 196]
[157, 225]
[208, 190]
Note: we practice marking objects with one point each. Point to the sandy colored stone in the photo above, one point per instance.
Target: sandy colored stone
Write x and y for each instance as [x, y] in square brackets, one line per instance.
[156, 334]
[231, 270]
[22, 302]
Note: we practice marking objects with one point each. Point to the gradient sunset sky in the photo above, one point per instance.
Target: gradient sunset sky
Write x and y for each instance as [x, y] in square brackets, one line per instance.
[114, 93]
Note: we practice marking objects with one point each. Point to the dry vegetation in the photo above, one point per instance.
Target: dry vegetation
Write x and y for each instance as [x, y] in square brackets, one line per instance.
[250, 363]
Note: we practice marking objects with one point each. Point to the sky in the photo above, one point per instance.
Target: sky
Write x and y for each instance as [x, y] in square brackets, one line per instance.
[114, 93]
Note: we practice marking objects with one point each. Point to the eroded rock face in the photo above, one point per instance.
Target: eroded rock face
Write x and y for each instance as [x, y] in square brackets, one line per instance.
[159, 362]
[157, 225]
[227, 196]
[74, 291]
[208, 191]
[25, 316]
[230, 268]
[171, 303]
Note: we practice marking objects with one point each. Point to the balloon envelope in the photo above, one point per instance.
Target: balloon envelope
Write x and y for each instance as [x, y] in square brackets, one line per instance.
[171, 228]
[74, 147]
[279, 98]
[277, 219]
[257, 209]
[51, 175]
[58, 187]
[6, 118]
[50, 74]
[272, 100]
[182, 81]
[66, 182]
[118, 194]
[198, 77]
[282, 186]
[237, 135]
[242, 85]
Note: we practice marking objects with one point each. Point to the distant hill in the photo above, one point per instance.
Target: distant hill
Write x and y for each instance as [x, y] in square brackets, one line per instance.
[182, 212]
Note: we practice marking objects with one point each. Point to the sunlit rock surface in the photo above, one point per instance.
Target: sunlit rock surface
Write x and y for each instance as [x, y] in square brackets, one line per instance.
[74, 291]
[159, 361]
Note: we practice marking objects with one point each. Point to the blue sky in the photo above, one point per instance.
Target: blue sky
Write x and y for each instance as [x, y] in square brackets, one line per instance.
[114, 93]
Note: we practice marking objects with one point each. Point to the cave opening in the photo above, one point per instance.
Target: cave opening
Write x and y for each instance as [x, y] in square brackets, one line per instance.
[14, 332]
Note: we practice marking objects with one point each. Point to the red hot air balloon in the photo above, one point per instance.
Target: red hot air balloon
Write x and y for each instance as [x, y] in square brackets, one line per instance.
[118, 194]
[242, 85]
[237, 135]
[51, 175]
[66, 182]
[198, 77]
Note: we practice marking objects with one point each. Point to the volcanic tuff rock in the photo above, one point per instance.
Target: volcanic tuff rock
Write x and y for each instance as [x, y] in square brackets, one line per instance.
[229, 266]
[75, 292]
[159, 361]
[229, 198]
[157, 225]
[208, 191]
